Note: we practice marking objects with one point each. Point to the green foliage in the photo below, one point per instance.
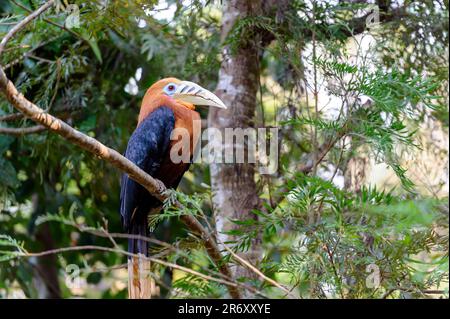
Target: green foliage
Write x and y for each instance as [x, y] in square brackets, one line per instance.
[194, 286]
[328, 241]
[15, 248]
[190, 206]
[244, 31]
[385, 122]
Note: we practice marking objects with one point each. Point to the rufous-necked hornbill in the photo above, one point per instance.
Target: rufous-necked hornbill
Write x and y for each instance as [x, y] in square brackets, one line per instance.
[168, 104]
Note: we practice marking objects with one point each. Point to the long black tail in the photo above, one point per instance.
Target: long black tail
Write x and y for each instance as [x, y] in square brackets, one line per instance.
[138, 246]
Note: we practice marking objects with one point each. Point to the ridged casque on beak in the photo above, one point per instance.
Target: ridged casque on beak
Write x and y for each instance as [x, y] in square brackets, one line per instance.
[193, 93]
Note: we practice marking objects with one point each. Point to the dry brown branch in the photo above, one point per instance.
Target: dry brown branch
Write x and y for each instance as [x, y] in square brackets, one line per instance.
[120, 251]
[22, 130]
[11, 117]
[155, 187]
[245, 263]
[105, 234]
[128, 254]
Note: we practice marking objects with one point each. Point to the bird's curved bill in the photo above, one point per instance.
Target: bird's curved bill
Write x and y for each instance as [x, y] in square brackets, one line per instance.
[193, 93]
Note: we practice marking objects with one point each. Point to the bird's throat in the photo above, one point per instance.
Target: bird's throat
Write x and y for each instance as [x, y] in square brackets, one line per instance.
[186, 104]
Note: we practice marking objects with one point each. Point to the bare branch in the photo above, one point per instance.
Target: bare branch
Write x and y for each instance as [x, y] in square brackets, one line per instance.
[105, 234]
[22, 130]
[151, 259]
[258, 272]
[11, 117]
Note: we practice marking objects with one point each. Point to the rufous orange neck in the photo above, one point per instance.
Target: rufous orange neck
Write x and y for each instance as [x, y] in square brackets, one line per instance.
[151, 103]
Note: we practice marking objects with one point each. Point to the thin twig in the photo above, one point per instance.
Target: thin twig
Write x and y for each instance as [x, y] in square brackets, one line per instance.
[18, 116]
[128, 254]
[27, 54]
[258, 272]
[105, 234]
[50, 21]
[22, 130]
[23, 23]
[11, 117]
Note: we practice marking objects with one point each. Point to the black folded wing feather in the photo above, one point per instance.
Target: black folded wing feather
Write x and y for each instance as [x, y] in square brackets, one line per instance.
[146, 148]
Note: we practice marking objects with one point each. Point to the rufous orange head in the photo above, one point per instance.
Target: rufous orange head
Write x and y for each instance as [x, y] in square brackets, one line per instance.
[171, 91]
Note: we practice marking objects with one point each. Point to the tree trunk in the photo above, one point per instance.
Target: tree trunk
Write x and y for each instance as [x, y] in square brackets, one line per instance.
[355, 172]
[45, 269]
[233, 185]
[357, 167]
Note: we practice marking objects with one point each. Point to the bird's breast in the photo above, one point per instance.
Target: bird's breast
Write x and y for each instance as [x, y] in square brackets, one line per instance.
[184, 140]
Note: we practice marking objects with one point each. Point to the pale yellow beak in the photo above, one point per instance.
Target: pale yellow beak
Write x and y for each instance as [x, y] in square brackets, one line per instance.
[192, 93]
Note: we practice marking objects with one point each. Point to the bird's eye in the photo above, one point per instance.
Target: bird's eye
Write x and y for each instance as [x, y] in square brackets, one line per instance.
[170, 88]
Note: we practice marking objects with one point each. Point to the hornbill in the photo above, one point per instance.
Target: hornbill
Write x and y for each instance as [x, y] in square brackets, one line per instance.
[168, 104]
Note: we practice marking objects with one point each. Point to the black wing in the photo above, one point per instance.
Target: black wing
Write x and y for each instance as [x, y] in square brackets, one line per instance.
[146, 148]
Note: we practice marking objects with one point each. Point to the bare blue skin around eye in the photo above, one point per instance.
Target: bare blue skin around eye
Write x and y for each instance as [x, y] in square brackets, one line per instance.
[173, 87]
